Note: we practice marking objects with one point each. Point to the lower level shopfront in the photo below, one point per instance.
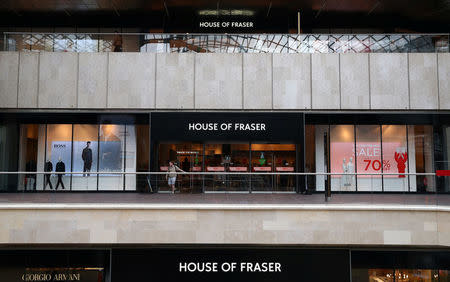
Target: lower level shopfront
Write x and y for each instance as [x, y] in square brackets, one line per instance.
[237, 151]
[220, 263]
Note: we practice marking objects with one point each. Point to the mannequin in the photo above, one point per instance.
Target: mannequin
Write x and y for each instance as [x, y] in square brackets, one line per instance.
[351, 169]
[345, 170]
[48, 168]
[87, 158]
[60, 167]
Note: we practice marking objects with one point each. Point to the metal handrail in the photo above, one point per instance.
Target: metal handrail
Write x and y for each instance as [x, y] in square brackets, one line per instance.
[214, 173]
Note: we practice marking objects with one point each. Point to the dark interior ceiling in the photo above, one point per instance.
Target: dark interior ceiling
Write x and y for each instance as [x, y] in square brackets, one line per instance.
[178, 15]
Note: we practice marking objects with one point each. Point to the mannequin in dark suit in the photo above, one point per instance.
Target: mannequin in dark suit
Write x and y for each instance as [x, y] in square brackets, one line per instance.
[87, 158]
[60, 167]
[48, 168]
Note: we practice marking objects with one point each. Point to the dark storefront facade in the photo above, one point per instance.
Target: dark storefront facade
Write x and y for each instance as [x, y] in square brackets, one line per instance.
[235, 151]
[240, 263]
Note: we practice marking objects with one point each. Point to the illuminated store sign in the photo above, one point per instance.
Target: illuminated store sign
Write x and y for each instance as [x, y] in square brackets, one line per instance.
[227, 126]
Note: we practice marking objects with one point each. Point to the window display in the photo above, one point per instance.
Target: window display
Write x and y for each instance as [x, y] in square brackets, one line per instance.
[342, 156]
[111, 156]
[83, 148]
[395, 157]
[85, 156]
[368, 157]
[372, 149]
[58, 156]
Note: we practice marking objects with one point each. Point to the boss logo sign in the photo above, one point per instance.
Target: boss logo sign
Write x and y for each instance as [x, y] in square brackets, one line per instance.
[205, 126]
[56, 146]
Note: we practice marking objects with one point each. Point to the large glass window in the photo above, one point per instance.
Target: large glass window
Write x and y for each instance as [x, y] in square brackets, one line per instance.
[395, 157]
[227, 158]
[58, 157]
[84, 149]
[371, 149]
[85, 156]
[368, 157]
[111, 156]
[342, 157]
[273, 158]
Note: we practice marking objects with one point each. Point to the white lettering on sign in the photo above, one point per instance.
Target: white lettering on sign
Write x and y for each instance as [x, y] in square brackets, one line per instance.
[202, 126]
[226, 24]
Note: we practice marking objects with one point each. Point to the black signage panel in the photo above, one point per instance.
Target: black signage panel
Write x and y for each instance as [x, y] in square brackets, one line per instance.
[201, 127]
[230, 264]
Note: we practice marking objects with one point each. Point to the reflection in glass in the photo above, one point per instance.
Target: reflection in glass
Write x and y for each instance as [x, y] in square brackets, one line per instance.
[85, 156]
[58, 156]
[111, 156]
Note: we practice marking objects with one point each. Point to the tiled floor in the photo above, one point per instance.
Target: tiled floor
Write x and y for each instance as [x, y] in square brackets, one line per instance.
[230, 198]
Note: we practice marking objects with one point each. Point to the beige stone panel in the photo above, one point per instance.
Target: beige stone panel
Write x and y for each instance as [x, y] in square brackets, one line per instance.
[209, 227]
[218, 81]
[443, 232]
[325, 81]
[423, 81]
[291, 81]
[9, 64]
[28, 80]
[389, 81]
[131, 80]
[92, 80]
[58, 73]
[444, 81]
[354, 69]
[258, 81]
[175, 81]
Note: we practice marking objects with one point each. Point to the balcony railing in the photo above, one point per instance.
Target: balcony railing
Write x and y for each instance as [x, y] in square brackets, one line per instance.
[226, 43]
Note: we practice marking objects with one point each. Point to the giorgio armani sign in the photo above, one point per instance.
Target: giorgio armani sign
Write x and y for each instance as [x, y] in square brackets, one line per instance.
[203, 127]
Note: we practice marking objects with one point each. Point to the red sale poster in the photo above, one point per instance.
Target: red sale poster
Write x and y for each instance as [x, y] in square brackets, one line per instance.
[368, 157]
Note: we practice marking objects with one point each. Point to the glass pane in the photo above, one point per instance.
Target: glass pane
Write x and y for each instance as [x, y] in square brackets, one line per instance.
[395, 157]
[420, 139]
[273, 158]
[310, 158]
[227, 158]
[85, 156]
[368, 157]
[321, 157]
[58, 155]
[111, 156]
[188, 157]
[342, 157]
[28, 152]
[130, 157]
[143, 157]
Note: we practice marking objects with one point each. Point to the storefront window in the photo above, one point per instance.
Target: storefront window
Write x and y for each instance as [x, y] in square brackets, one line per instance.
[227, 158]
[188, 157]
[111, 156]
[421, 148]
[368, 157]
[58, 157]
[342, 157]
[273, 158]
[85, 156]
[28, 152]
[396, 157]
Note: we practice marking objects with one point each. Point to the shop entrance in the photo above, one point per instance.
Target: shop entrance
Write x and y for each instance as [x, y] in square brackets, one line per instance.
[189, 158]
[219, 158]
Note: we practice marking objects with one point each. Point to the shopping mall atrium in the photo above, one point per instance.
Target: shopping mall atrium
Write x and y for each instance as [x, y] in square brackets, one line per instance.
[254, 140]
